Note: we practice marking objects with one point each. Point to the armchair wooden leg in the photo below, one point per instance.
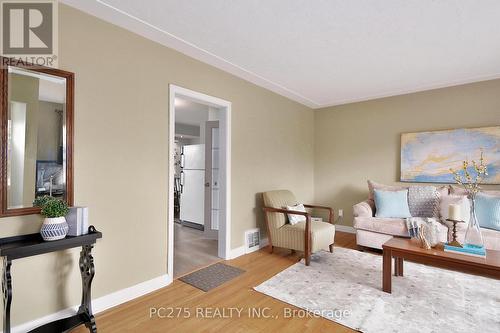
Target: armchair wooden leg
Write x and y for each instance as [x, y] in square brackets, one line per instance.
[308, 254]
[307, 241]
[270, 247]
[331, 248]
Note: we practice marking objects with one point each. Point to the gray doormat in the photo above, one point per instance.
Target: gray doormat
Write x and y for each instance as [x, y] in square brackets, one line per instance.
[212, 276]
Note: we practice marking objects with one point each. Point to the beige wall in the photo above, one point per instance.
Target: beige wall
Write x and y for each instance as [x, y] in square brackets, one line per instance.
[361, 141]
[121, 162]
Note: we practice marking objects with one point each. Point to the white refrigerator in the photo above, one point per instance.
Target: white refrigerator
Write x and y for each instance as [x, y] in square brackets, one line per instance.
[193, 180]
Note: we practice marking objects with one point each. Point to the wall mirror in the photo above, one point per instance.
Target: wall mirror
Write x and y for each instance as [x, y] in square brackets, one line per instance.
[36, 108]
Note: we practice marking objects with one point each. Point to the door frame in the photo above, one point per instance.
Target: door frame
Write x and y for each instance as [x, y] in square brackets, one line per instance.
[224, 242]
[208, 231]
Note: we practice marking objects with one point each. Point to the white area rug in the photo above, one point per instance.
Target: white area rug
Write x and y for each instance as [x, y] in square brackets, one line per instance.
[426, 299]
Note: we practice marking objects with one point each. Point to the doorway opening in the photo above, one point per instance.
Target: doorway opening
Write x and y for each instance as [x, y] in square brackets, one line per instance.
[199, 181]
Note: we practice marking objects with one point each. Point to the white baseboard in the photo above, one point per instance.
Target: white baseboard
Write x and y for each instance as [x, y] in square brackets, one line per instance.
[25, 327]
[345, 228]
[121, 296]
[102, 303]
[239, 251]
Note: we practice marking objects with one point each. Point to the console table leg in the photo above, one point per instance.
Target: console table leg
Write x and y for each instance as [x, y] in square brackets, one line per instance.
[87, 271]
[7, 294]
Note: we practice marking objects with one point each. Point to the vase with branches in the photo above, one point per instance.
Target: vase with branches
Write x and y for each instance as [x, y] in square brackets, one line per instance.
[470, 176]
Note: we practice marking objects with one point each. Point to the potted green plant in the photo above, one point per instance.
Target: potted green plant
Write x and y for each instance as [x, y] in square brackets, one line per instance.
[54, 210]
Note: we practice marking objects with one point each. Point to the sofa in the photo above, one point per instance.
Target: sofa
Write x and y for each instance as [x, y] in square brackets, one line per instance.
[372, 231]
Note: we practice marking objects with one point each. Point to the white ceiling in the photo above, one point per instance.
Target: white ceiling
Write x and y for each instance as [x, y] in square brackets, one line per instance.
[50, 91]
[190, 113]
[325, 52]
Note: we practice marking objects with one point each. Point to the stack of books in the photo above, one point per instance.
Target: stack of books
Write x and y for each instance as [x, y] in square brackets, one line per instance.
[467, 249]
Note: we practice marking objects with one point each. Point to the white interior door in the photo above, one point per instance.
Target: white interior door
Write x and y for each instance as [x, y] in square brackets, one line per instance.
[212, 181]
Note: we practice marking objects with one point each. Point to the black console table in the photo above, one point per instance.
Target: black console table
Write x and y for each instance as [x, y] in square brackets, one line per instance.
[31, 245]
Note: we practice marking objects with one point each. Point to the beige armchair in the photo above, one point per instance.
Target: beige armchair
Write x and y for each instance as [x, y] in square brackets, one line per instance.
[308, 237]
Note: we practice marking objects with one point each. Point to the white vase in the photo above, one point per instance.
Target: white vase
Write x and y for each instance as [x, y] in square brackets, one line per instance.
[54, 228]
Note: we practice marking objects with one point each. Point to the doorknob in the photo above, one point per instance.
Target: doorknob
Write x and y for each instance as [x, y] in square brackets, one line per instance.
[207, 184]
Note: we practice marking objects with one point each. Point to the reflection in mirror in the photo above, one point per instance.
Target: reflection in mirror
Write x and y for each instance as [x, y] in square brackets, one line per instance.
[36, 161]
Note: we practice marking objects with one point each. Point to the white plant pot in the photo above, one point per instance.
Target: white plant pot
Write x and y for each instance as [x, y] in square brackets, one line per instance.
[54, 228]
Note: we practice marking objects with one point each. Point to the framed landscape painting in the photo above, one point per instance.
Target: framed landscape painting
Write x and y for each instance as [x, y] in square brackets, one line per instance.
[428, 156]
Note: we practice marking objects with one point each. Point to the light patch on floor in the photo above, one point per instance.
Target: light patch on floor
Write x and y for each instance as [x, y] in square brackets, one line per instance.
[191, 250]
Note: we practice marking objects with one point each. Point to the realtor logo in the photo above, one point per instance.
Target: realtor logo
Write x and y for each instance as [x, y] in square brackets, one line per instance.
[29, 31]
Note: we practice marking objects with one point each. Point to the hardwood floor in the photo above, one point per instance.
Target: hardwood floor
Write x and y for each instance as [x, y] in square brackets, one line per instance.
[192, 250]
[134, 316]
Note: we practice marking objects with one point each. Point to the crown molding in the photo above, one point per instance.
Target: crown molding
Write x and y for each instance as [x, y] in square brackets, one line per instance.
[424, 88]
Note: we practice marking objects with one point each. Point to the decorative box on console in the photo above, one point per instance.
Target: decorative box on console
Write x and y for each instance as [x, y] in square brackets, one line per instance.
[78, 221]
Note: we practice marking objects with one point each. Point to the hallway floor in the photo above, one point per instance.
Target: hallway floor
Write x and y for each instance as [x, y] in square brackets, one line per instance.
[192, 250]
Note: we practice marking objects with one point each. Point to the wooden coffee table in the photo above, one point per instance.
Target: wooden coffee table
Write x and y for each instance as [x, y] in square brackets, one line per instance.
[403, 248]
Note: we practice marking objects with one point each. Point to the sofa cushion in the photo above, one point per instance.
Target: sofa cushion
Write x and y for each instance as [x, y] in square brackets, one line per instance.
[457, 190]
[392, 203]
[388, 226]
[443, 190]
[491, 239]
[488, 211]
[461, 191]
[394, 227]
[450, 199]
[372, 186]
[423, 201]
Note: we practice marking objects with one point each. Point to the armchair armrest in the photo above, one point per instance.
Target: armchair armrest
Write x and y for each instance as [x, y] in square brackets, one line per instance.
[329, 209]
[363, 209]
[284, 211]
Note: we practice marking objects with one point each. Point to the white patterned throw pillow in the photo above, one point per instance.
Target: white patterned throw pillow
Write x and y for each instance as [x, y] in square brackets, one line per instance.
[423, 201]
[293, 218]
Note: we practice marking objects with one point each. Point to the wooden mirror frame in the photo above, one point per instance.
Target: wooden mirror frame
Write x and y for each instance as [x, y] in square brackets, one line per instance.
[4, 114]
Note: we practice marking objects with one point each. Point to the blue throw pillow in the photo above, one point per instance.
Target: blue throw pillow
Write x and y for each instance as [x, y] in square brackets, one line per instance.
[391, 204]
[488, 211]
